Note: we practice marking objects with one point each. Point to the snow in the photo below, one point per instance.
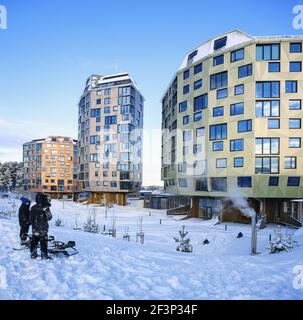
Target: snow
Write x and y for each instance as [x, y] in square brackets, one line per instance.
[110, 268]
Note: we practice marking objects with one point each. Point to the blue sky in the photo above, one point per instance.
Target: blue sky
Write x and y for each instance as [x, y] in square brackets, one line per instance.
[52, 46]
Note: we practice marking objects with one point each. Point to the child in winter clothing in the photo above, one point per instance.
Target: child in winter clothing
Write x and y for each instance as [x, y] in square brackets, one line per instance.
[40, 214]
[24, 218]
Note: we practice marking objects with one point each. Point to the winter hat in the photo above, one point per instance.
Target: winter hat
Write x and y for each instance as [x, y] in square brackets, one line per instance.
[25, 200]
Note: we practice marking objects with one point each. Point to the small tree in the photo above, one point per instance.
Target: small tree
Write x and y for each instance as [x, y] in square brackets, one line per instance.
[184, 245]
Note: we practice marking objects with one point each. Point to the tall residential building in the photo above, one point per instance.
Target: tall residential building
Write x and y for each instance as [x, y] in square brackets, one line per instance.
[110, 138]
[51, 166]
[232, 120]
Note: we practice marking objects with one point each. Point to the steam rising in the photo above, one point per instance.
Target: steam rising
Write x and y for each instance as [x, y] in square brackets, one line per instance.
[240, 202]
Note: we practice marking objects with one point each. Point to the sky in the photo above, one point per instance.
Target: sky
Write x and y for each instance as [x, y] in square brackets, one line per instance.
[50, 48]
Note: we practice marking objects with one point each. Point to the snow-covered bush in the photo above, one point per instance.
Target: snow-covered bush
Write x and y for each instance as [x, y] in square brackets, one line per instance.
[280, 243]
[91, 226]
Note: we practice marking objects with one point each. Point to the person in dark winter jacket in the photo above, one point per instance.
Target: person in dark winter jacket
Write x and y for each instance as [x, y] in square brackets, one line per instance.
[24, 218]
[40, 214]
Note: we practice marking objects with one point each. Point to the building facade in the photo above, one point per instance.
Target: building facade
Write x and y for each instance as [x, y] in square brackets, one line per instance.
[232, 123]
[110, 138]
[51, 166]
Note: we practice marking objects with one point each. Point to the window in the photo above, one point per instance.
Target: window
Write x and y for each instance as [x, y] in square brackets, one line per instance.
[186, 74]
[218, 80]
[218, 60]
[186, 120]
[221, 163]
[237, 108]
[219, 184]
[218, 111]
[239, 89]
[294, 123]
[197, 148]
[268, 108]
[291, 86]
[295, 66]
[107, 101]
[268, 89]
[98, 128]
[192, 55]
[268, 52]
[274, 67]
[197, 116]
[290, 162]
[293, 181]
[198, 68]
[200, 132]
[94, 139]
[218, 132]
[218, 146]
[183, 106]
[294, 104]
[273, 123]
[294, 142]
[244, 125]
[182, 167]
[110, 120]
[245, 71]
[267, 145]
[98, 101]
[237, 55]
[222, 93]
[201, 102]
[107, 110]
[95, 112]
[220, 43]
[198, 84]
[267, 165]
[187, 135]
[295, 47]
[238, 162]
[186, 89]
[237, 145]
[201, 184]
[273, 181]
[183, 183]
[107, 92]
[244, 182]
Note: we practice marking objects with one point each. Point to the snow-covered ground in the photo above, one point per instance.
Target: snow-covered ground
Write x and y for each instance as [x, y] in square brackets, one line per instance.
[110, 268]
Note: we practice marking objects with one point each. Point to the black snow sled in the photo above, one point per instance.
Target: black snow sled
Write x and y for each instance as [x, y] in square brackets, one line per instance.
[55, 247]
